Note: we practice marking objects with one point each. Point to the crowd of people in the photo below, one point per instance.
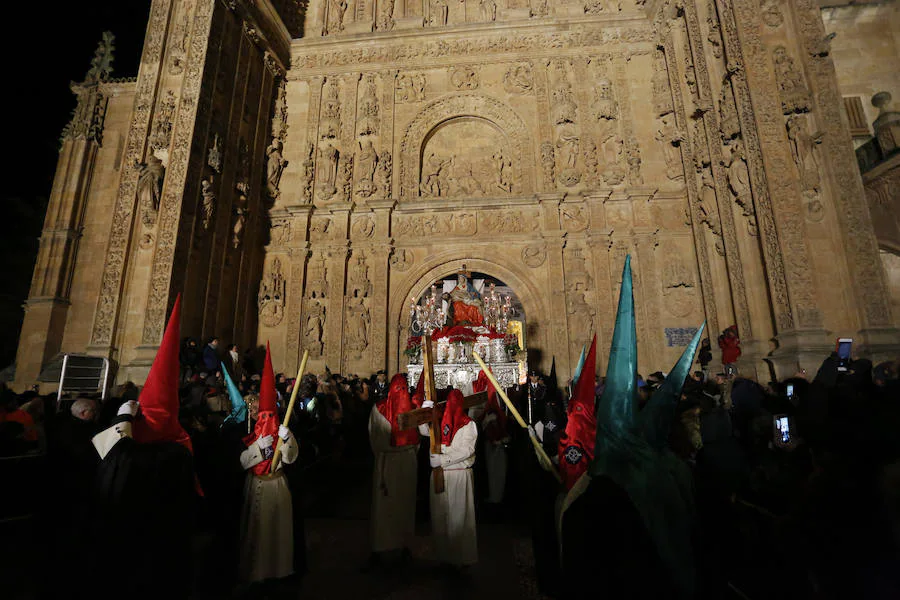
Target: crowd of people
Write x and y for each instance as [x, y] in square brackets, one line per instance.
[688, 484]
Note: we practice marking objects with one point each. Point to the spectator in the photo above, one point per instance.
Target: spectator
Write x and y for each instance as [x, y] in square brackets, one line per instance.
[704, 357]
[730, 343]
[233, 362]
[211, 356]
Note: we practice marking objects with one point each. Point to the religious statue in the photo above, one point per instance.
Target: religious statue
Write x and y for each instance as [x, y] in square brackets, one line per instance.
[336, 10]
[383, 175]
[466, 307]
[357, 325]
[275, 165]
[314, 328]
[605, 105]
[435, 176]
[488, 10]
[240, 213]
[209, 201]
[504, 171]
[802, 146]
[439, 13]
[150, 183]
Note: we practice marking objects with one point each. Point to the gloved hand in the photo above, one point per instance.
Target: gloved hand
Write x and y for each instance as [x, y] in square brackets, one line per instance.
[428, 404]
[265, 446]
[284, 433]
[532, 432]
[435, 461]
[130, 408]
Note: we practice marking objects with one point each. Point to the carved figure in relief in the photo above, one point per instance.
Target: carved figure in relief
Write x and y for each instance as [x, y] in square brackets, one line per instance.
[240, 219]
[367, 123]
[465, 183]
[802, 148]
[580, 314]
[659, 83]
[435, 175]
[307, 173]
[464, 78]
[209, 201]
[401, 259]
[150, 184]
[634, 163]
[328, 165]
[314, 327]
[357, 325]
[605, 105]
[364, 227]
[344, 184]
[366, 163]
[548, 162]
[162, 126]
[678, 284]
[280, 233]
[275, 164]
[385, 21]
[504, 171]
[539, 8]
[794, 93]
[214, 157]
[715, 34]
[534, 256]
[336, 10]
[670, 138]
[519, 79]
[383, 175]
[729, 123]
[567, 146]
[488, 10]
[410, 87]
[271, 297]
[439, 12]
[739, 178]
[706, 204]
[771, 13]
[330, 123]
[591, 162]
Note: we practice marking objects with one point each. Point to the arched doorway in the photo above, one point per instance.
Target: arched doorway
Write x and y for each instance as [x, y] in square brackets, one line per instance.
[509, 280]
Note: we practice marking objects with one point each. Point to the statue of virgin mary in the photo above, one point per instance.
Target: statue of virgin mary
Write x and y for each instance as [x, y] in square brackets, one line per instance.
[466, 306]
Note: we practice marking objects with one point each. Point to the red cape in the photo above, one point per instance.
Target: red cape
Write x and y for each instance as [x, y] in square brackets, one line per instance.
[267, 422]
[396, 403]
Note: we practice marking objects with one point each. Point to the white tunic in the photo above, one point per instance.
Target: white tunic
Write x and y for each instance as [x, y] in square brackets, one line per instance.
[393, 519]
[453, 511]
[267, 523]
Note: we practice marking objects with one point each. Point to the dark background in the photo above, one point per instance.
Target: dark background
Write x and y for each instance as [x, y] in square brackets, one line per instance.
[47, 46]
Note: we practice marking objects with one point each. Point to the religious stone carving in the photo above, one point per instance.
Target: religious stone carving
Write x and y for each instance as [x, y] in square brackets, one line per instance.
[438, 13]
[149, 188]
[435, 172]
[794, 93]
[548, 162]
[271, 297]
[364, 226]
[320, 228]
[336, 11]
[633, 158]
[509, 221]
[803, 151]
[280, 110]
[739, 183]
[573, 218]
[327, 172]
[357, 325]
[275, 164]
[383, 175]
[385, 20]
[243, 169]
[519, 79]
[162, 126]
[605, 106]
[580, 312]
[567, 148]
[539, 8]
[402, 259]
[613, 152]
[729, 124]
[146, 241]
[771, 13]
[679, 287]
[280, 234]
[240, 219]
[330, 121]
[464, 78]
[591, 163]
[314, 328]
[706, 206]
[714, 37]
[410, 87]
[214, 156]
[659, 82]
[435, 223]
[670, 138]
[208, 205]
[366, 164]
[367, 121]
[307, 173]
[503, 169]
[488, 9]
[177, 50]
[563, 106]
[534, 256]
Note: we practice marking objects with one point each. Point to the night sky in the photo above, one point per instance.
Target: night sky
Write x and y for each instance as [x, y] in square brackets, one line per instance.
[47, 45]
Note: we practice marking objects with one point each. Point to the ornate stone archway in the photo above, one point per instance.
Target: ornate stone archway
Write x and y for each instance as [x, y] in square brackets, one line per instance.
[465, 105]
[417, 280]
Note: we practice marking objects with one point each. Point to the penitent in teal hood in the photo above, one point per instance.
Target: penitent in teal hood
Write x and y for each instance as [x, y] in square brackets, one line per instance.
[623, 454]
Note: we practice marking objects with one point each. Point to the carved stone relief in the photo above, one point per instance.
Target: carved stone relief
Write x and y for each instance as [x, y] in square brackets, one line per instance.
[803, 150]
[714, 37]
[670, 138]
[149, 189]
[488, 10]
[383, 173]
[519, 79]
[464, 78]
[605, 106]
[357, 322]
[402, 259]
[240, 219]
[366, 165]
[534, 256]
[214, 156]
[385, 20]
[410, 87]
[707, 208]
[162, 127]
[729, 124]
[794, 93]
[367, 116]
[307, 172]
[739, 183]
[280, 234]
[320, 228]
[435, 224]
[771, 13]
[330, 120]
[548, 163]
[363, 227]
[509, 221]
[678, 283]
[438, 11]
[275, 165]
[659, 82]
[573, 218]
[271, 298]
[327, 172]
[335, 20]
[208, 202]
[344, 183]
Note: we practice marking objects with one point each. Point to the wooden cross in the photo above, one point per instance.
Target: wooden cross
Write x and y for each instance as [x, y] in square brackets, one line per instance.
[435, 414]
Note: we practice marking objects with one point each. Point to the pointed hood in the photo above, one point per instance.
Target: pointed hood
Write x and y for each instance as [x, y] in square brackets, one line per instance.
[623, 455]
[238, 405]
[455, 418]
[158, 420]
[552, 394]
[267, 422]
[576, 445]
[418, 396]
[578, 367]
[392, 406]
[658, 415]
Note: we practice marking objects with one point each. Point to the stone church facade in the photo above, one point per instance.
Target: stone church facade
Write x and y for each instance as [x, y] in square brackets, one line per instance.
[298, 172]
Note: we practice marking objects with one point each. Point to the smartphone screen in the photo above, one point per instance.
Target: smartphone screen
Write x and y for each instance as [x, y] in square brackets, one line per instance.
[844, 347]
[790, 390]
[784, 428]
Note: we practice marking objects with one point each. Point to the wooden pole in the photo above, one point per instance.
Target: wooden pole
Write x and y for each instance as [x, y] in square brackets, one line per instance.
[542, 456]
[290, 409]
[434, 434]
